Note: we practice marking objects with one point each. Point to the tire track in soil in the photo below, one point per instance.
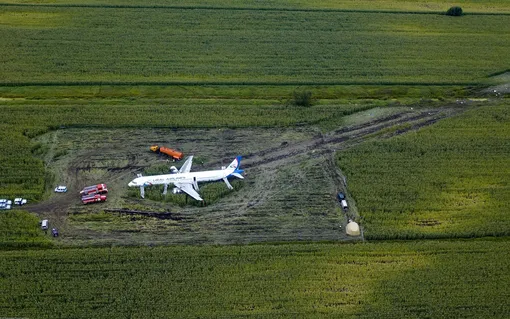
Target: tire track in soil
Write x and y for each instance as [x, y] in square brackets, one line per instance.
[346, 137]
[271, 159]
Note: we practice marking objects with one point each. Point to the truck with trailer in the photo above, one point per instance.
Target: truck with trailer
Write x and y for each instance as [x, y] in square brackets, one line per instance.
[175, 155]
[96, 198]
[94, 189]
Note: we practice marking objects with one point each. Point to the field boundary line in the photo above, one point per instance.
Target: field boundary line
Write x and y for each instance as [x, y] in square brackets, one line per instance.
[126, 6]
[239, 83]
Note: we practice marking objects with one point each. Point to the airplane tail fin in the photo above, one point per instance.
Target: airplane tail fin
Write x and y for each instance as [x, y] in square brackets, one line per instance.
[235, 167]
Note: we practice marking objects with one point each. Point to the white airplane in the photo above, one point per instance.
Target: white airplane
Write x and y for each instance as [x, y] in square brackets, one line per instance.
[185, 181]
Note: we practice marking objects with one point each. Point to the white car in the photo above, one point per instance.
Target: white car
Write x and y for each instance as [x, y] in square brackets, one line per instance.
[60, 189]
[5, 206]
[20, 201]
[5, 201]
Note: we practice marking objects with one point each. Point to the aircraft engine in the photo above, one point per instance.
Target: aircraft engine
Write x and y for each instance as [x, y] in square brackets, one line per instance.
[176, 190]
[173, 169]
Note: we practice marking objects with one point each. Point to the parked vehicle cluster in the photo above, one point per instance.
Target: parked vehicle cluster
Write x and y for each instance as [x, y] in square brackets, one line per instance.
[7, 204]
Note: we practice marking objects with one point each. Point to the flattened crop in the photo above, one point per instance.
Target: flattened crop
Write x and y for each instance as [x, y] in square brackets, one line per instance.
[281, 199]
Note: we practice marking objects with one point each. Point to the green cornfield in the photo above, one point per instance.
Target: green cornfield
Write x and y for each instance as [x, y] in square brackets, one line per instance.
[384, 280]
[20, 230]
[447, 180]
[196, 45]
[433, 202]
[431, 6]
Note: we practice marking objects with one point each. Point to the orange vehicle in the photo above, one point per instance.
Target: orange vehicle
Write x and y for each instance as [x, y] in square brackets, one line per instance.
[176, 155]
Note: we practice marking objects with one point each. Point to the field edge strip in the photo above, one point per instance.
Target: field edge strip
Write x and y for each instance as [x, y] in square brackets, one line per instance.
[227, 83]
[126, 6]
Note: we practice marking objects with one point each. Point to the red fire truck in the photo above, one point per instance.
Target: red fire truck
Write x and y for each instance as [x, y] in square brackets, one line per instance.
[93, 199]
[95, 189]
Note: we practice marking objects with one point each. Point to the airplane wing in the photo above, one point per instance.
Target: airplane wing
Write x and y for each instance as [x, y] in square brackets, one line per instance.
[188, 189]
[186, 167]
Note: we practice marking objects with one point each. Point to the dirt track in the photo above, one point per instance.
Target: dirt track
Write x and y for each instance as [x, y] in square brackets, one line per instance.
[288, 193]
[346, 137]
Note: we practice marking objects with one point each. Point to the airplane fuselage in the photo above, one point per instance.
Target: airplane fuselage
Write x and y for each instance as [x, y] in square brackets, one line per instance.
[186, 181]
[206, 176]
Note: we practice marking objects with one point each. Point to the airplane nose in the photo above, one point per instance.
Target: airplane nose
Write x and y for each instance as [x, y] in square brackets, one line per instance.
[131, 184]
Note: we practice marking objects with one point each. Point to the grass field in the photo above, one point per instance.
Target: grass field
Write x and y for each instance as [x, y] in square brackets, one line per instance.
[252, 68]
[449, 180]
[21, 229]
[23, 172]
[413, 103]
[385, 280]
[227, 94]
[235, 65]
[434, 6]
[91, 45]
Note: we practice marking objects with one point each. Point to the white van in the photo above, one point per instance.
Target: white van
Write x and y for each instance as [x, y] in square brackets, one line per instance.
[344, 204]
[20, 201]
[5, 201]
[60, 189]
[44, 224]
